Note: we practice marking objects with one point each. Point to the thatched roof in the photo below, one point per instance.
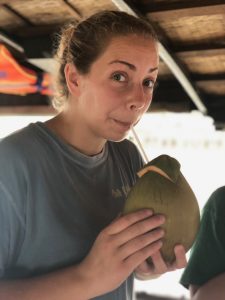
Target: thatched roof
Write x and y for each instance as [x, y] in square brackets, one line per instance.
[192, 34]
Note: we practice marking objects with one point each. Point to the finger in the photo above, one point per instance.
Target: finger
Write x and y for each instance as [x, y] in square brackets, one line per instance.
[140, 228]
[159, 264]
[127, 220]
[144, 267]
[181, 260]
[140, 242]
[133, 261]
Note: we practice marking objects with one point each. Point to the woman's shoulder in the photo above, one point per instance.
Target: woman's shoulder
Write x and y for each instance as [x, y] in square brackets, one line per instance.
[17, 143]
[15, 137]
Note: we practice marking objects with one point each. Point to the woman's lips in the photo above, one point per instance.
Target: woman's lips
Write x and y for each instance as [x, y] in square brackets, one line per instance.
[125, 125]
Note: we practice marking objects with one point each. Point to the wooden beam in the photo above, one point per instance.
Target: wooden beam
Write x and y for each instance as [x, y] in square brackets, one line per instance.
[182, 11]
[72, 9]
[6, 2]
[213, 87]
[206, 55]
[16, 14]
[27, 110]
[202, 53]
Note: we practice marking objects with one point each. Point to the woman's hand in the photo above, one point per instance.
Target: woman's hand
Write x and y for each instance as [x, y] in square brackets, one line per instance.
[120, 248]
[158, 267]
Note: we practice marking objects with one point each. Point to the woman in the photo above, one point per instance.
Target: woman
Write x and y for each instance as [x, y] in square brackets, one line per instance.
[63, 183]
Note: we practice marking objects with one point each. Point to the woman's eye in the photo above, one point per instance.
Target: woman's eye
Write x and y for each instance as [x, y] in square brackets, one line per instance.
[118, 77]
[148, 83]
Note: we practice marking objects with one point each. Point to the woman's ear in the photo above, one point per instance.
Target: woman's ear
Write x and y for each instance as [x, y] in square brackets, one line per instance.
[72, 79]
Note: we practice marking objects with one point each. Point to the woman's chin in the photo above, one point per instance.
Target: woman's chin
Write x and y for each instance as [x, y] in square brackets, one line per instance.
[117, 137]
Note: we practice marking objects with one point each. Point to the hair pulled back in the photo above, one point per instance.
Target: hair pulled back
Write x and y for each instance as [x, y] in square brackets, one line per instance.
[82, 43]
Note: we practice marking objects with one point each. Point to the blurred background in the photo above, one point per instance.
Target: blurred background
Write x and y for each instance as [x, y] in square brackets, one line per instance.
[189, 137]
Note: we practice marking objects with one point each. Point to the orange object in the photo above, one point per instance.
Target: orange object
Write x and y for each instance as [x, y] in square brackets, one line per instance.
[19, 80]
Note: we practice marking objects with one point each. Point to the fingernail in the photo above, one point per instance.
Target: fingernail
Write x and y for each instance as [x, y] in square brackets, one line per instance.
[162, 218]
[148, 212]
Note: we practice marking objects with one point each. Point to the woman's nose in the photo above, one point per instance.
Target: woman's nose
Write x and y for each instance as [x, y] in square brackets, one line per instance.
[137, 99]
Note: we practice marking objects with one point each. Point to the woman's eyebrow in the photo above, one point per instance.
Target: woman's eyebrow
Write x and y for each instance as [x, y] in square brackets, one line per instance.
[130, 66]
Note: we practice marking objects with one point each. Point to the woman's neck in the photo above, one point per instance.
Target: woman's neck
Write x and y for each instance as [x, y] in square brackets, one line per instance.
[74, 135]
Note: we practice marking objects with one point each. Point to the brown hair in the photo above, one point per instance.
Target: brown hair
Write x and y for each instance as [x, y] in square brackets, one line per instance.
[82, 43]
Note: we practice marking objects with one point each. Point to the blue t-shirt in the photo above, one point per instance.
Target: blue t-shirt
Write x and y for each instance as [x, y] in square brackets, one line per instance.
[54, 201]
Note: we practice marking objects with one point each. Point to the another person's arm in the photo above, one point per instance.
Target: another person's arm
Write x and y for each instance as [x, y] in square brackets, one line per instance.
[204, 274]
[213, 289]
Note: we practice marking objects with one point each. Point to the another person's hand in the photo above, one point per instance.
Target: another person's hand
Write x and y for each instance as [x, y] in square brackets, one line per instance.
[158, 267]
[120, 248]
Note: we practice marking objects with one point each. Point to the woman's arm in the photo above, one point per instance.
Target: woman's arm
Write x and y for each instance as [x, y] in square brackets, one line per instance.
[65, 284]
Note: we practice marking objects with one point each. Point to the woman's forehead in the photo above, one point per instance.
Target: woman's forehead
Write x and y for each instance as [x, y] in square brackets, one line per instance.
[130, 38]
[130, 46]
[129, 43]
[134, 56]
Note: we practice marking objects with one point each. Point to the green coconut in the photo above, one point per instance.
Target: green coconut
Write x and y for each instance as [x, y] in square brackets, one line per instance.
[162, 187]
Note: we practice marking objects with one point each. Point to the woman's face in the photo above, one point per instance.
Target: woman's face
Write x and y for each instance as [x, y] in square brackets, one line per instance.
[118, 89]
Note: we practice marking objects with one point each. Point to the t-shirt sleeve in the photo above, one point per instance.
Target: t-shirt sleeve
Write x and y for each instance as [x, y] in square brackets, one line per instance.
[207, 258]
